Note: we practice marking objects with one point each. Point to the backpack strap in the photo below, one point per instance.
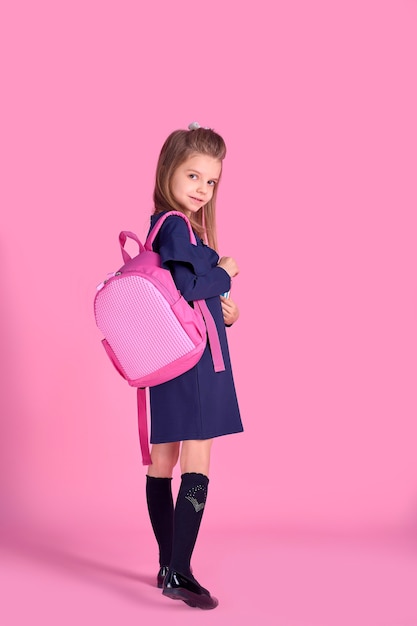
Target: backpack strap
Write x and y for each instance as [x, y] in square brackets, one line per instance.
[125, 234]
[213, 336]
[156, 228]
[143, 426]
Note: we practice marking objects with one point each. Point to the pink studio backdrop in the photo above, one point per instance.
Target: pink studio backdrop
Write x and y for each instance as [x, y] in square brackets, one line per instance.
[317, 104]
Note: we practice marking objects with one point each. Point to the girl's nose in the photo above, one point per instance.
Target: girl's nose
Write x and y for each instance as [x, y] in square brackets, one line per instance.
[202, 187]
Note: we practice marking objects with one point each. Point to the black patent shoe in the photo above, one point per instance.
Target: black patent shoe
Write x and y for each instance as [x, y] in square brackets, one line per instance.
[161, 576]
[178, 587]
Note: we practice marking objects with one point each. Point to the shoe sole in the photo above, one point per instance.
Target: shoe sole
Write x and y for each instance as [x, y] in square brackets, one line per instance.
[194, 600]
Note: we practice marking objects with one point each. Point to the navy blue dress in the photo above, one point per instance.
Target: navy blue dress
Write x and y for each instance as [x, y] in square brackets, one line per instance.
[201, 403]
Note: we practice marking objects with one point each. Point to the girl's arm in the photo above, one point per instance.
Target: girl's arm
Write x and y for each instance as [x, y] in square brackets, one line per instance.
[194, 274]
[193, 287]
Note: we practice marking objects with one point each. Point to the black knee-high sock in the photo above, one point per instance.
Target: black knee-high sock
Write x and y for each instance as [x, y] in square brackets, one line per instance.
[161, 513]
[187, 519]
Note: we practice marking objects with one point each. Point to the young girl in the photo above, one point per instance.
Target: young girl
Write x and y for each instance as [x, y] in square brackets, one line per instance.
[188, 411]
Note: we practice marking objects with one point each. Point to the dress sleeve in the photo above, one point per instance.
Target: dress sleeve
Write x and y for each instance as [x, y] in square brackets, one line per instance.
[194, 268]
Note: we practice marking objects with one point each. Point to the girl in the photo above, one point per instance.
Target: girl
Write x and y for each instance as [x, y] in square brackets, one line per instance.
[188, 411]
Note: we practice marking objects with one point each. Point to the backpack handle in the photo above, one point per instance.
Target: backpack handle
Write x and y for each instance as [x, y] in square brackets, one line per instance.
[124, 235]
[155, 229]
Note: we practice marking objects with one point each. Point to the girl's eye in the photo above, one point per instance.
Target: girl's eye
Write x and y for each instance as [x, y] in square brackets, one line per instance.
[193, 176]
[212, 183]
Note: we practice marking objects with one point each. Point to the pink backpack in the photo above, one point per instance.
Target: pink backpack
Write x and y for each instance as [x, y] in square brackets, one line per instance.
[151, 333]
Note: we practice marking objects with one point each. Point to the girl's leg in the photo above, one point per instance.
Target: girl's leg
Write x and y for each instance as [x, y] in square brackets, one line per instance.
[191, 500]
[195, 456]
[164, 458]
[160, 502]
[179, 582]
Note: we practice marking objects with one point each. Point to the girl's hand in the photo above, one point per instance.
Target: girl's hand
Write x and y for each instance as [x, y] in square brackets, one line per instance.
[230, 310]
[230, 265]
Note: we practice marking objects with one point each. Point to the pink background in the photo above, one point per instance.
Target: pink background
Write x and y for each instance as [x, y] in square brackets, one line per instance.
[317, 102]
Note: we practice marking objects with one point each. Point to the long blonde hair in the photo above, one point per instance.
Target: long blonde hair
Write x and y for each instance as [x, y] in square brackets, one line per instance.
[179, 146]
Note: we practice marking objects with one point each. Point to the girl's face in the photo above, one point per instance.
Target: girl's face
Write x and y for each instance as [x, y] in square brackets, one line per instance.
[193, 182]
